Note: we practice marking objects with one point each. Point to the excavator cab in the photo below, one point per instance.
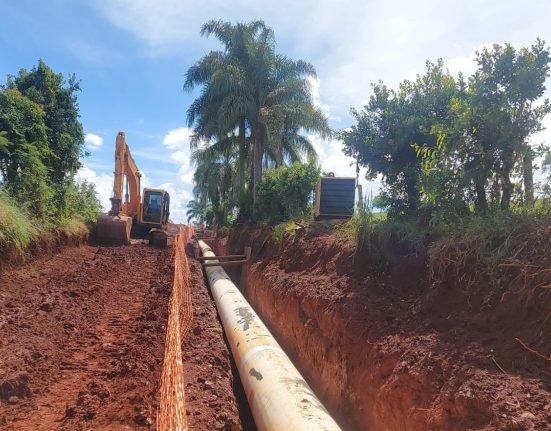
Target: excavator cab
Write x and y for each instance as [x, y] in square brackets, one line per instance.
[155, 208]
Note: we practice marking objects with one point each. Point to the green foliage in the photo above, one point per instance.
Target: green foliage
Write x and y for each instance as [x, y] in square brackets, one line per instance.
[283, 231]
[255, 101]
[57, 98]
[17, 230]
[81, 201]
[285, 193]
[445, 145]
[41, 140]
[23, 151]
[390, 127]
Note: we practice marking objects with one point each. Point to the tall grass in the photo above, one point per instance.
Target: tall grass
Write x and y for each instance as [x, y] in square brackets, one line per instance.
[379, 239]
[476, 247]
[17, 230]
[73, 226]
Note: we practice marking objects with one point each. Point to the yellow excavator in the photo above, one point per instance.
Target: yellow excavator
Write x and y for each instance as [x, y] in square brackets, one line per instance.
[145, 218]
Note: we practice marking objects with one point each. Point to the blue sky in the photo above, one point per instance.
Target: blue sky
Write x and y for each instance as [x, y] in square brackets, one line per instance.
[131, 57]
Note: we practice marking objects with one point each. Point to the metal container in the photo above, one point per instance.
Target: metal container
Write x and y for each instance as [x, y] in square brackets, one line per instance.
[335, 197]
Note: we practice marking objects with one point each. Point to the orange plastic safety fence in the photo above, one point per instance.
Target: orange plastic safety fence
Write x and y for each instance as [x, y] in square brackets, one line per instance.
[171, 414]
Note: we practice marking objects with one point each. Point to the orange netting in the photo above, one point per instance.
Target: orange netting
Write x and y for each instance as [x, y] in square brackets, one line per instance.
[172, 405]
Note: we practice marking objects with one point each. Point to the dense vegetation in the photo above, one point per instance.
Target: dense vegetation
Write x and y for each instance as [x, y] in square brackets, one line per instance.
[251, 114]
[446, 146]
[41, 143]
[457, 165]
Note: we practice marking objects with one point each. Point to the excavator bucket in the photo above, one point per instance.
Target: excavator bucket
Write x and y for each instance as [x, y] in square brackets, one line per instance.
[158, 238]
[113, 230]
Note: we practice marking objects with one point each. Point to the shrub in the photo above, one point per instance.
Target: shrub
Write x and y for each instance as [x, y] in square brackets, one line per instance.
[285, 193]
[81, 202]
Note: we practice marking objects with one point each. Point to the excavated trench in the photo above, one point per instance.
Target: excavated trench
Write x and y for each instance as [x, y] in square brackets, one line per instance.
[377, 360]
[82, 349]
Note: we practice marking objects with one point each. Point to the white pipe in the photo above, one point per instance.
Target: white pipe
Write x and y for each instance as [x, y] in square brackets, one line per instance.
[279, 397]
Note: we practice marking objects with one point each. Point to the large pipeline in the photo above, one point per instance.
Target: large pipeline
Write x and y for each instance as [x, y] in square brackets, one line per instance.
[279, 397]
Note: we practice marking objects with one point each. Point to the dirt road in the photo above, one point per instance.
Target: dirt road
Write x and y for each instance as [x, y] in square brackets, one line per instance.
[82, 339]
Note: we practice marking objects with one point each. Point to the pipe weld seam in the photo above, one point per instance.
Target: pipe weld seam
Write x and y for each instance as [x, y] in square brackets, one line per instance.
[248, 356]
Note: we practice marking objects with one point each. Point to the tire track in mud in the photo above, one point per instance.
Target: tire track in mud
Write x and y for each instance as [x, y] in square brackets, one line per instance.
[89, 339]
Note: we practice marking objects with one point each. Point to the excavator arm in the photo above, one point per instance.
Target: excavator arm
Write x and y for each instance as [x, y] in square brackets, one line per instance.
[125, 169]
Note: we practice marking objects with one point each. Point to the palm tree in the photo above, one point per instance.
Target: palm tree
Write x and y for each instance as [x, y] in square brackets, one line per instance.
[214, 177]
[265, 97]
[205, 110]
[196, 211]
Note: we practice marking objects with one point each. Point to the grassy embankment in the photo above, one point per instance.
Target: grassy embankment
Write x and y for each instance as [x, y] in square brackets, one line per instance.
[21, 235]
[471, 249]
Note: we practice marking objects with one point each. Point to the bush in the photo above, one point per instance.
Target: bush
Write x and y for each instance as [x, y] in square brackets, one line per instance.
[285, 193]
[81, 202]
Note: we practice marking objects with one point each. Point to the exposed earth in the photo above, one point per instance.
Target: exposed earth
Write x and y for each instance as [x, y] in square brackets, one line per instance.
[82, 338]
[394, 352]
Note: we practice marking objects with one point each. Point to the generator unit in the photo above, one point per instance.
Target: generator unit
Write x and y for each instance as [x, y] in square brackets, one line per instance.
[335, 197]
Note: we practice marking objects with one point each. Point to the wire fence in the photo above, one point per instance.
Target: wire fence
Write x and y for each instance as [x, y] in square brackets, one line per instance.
[171, 415]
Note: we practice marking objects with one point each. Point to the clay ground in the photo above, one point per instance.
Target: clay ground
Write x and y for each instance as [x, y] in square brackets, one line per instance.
[82, 340]
[394, 353]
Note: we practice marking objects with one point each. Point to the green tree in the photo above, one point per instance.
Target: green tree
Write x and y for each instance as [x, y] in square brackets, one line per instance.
[23, 150]
[504, 89]
[58, 101]
[393, 126]
[249, 88]
[284, 193]
[41, 142]
[196, 211]
[81, 199]
[215, 179]
[443, 143]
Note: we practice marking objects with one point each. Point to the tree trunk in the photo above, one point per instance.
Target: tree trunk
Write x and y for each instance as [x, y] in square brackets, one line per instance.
[506, 187]
[528, 177]
[412, 191]
[481, 201]
[257, 166]
[242, 157]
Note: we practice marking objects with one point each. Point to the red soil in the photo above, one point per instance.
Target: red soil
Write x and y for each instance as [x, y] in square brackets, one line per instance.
[395, 354]
[82, 339]
[210, 398]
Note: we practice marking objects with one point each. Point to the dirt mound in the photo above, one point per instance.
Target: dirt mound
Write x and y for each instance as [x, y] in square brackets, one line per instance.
[394, 353]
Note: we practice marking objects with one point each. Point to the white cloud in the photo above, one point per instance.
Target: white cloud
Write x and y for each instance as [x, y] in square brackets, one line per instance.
[180, 189]
[93, 141]
[178, 139]
[351, 43]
